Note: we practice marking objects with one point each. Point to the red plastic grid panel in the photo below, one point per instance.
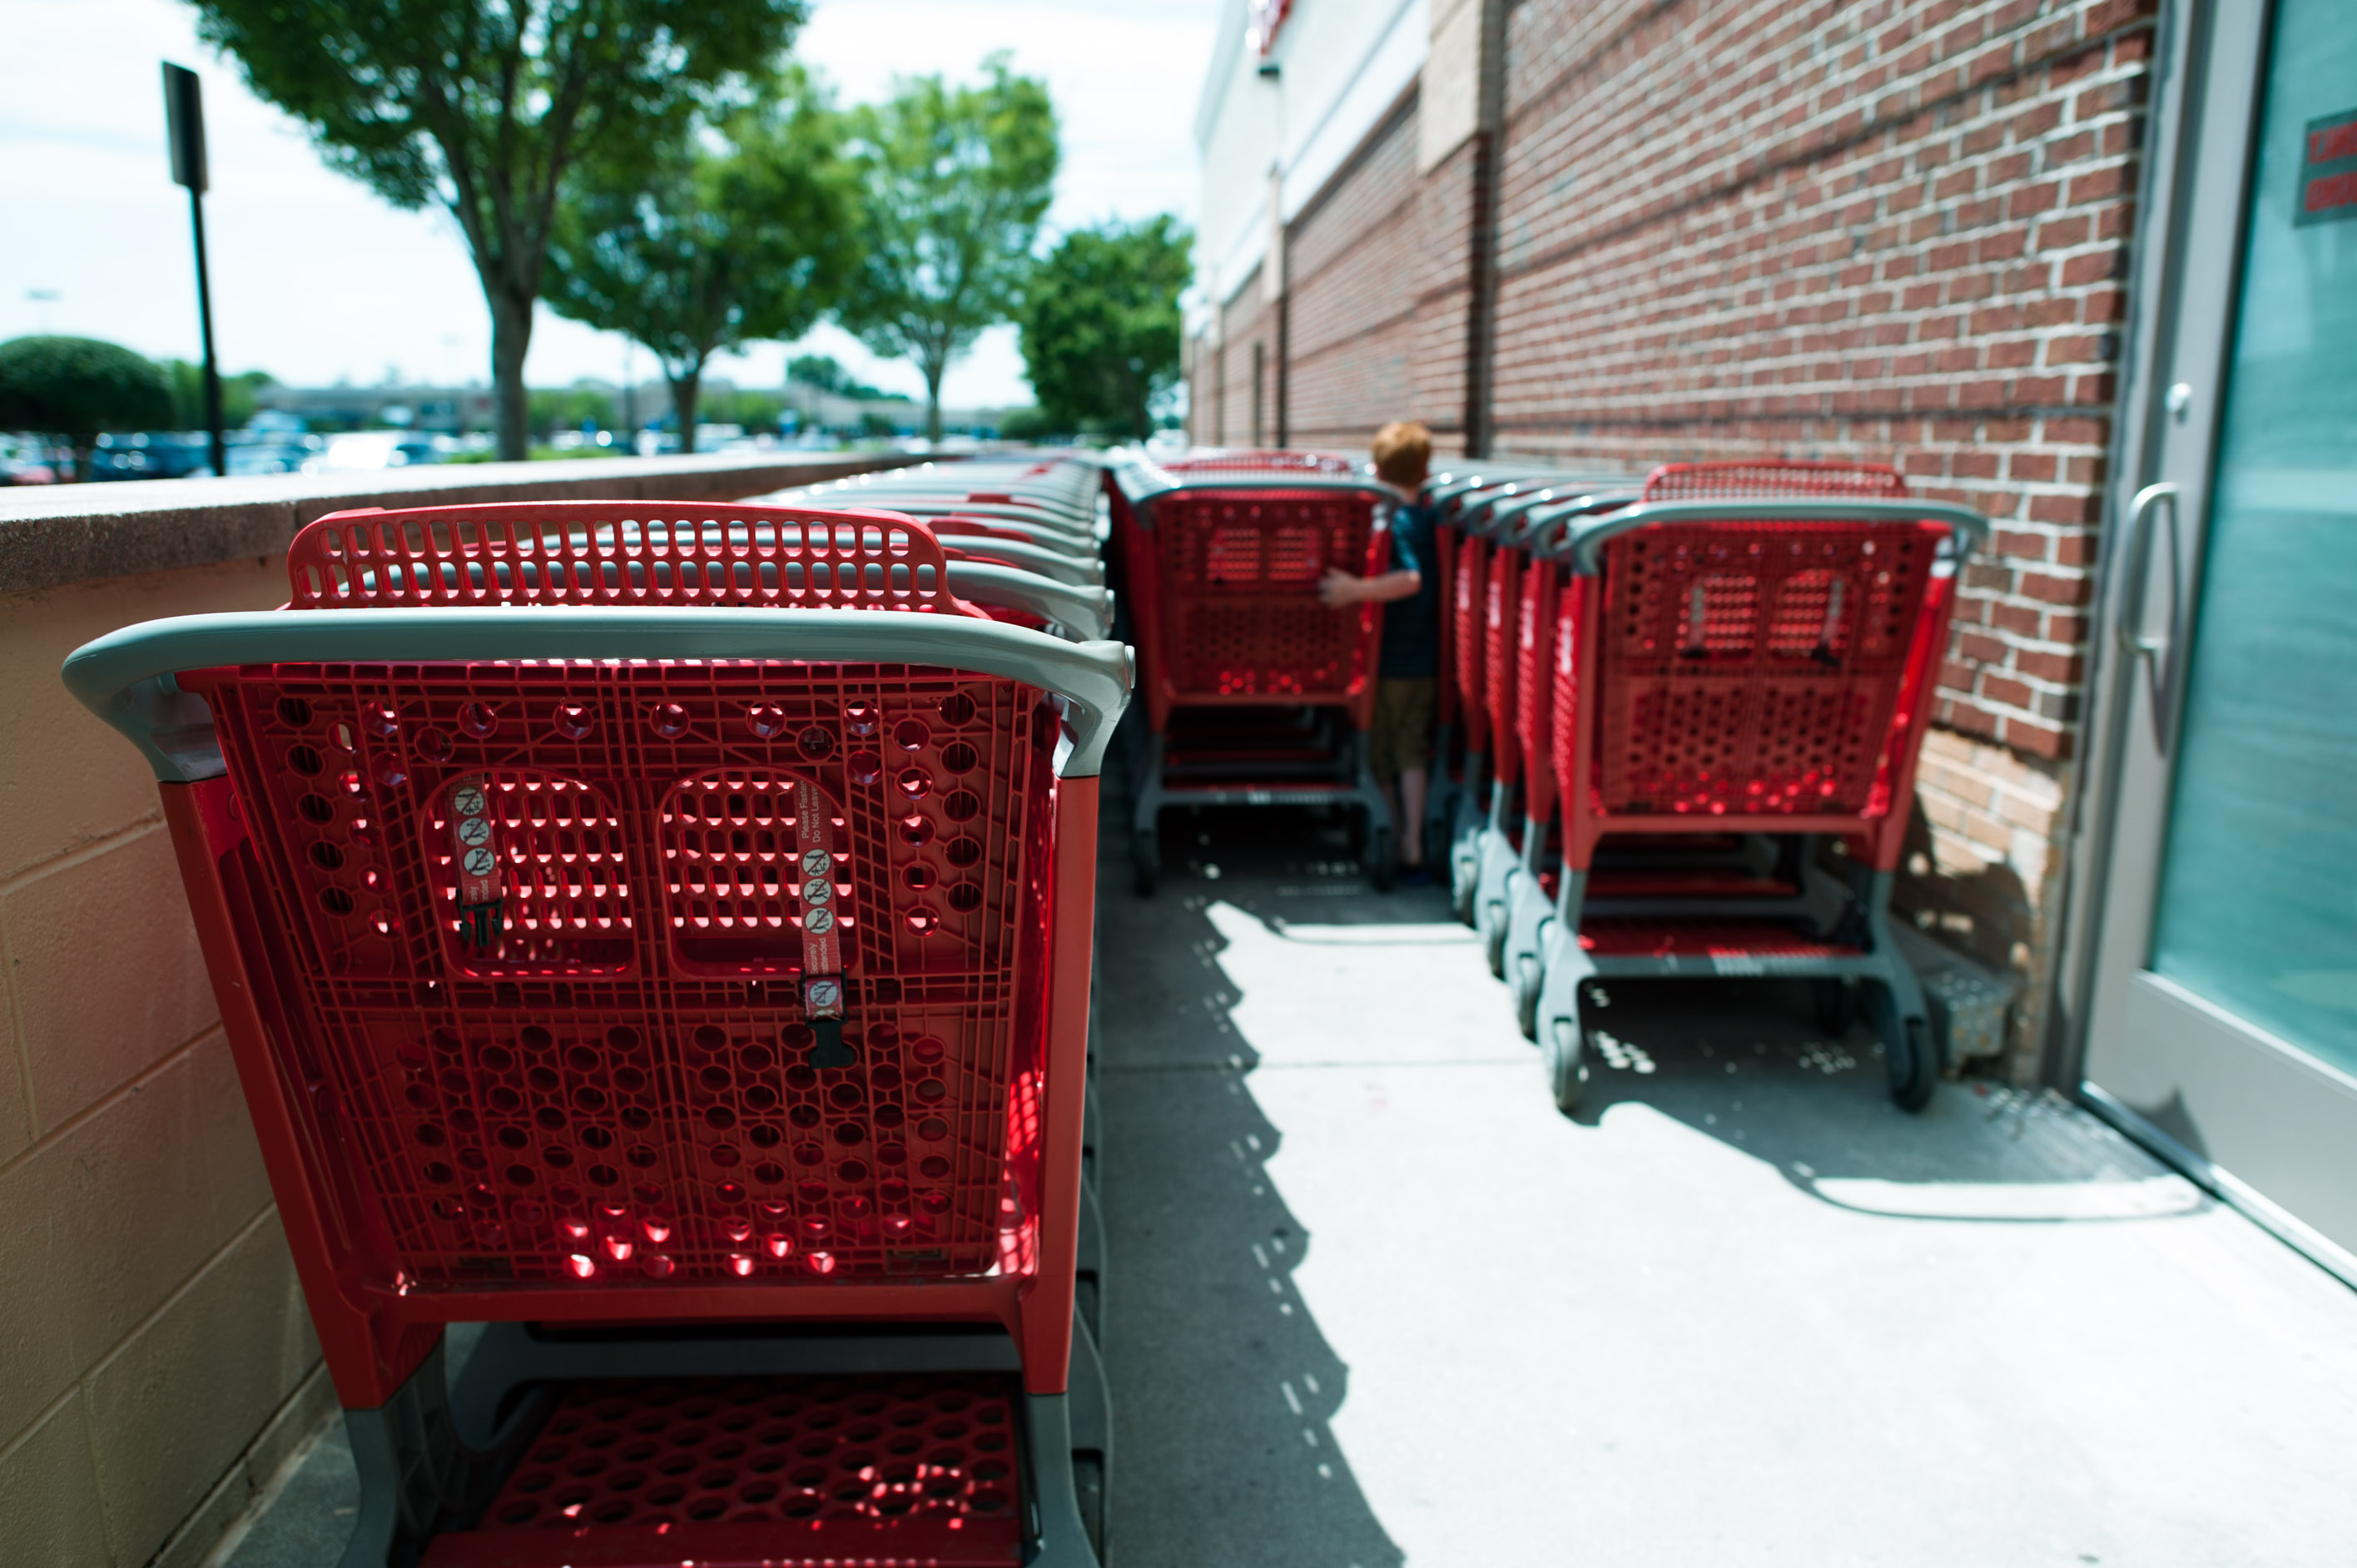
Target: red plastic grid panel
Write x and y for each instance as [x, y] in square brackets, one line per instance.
[620, 1089]
[1240, 573]
[1764, 479]
[1756, 667]
[1500, 612]
[1469, 624]
[612, 552]
[849, 1470]
[1535, 664]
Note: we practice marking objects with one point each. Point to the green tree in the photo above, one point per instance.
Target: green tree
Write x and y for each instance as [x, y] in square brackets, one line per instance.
[570, 408]
[485, 105]
[1101, 328]
[73, 388]
[957, 181]
[742, 230]
[238, 398]
[826, 373]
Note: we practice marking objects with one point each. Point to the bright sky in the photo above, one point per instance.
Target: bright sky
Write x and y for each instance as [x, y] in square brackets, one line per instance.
[317, 280]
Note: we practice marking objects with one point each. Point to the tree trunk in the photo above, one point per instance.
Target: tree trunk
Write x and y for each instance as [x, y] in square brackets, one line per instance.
[685, 391]
[510, 406]
[933, 401]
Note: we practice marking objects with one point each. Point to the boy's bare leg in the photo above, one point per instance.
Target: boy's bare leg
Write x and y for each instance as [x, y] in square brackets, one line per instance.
[1390, 787]
[1408, 811]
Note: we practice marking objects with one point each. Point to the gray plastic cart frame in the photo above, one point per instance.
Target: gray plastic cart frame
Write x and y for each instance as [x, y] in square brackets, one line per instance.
[431, 1456]
[1345, 780]
[1894, 999]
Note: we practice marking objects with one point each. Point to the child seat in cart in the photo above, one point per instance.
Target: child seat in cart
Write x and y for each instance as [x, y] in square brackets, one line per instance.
[1256, 693]
[1751, 649]
[664, 937]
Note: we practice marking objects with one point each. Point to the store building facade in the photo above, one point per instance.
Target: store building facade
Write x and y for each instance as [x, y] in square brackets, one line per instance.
[2042, 255]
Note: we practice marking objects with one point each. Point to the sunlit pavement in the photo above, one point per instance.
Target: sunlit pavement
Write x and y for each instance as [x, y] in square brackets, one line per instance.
[1371, 1300]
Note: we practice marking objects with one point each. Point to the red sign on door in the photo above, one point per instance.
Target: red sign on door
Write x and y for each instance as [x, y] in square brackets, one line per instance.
[2328, 170]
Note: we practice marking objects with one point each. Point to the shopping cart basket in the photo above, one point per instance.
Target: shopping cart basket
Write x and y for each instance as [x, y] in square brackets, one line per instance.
[665, 938]
[1751, 650]
[1256, 693]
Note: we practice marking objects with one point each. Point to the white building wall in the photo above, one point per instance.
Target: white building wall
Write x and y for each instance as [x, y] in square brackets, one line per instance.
[1340, 63]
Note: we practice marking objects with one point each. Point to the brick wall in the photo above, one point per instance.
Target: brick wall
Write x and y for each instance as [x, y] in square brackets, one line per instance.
[1379, 273]
[1351, 275]
[1892, 231]
[1246, 320]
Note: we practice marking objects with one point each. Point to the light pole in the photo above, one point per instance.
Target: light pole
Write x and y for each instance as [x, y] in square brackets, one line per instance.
[184, 111]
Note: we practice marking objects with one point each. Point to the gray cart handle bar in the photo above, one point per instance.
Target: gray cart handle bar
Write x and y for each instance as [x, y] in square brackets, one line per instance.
[1968, 527]
[1087, 611]
[126, 677]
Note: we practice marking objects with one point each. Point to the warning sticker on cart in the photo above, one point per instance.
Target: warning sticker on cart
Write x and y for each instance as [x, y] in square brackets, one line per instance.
[475, 851]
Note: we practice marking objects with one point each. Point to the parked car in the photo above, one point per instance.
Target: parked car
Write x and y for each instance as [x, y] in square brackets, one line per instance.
[276, 450]
[150, 454]
[374, 449]
[29, 462]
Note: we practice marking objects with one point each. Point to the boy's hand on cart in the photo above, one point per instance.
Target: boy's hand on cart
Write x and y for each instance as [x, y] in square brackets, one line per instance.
[1338, 590]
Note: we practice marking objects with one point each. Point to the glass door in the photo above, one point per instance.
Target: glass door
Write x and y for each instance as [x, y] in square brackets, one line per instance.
[2224, 1005]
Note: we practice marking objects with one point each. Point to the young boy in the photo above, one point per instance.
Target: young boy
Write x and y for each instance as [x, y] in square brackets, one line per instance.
[1401, 742]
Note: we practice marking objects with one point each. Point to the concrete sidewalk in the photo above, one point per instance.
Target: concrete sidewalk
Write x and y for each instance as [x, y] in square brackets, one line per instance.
[1373, 1301]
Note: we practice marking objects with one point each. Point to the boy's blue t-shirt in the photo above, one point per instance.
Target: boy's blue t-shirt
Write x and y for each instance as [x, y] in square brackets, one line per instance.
[1411, 646]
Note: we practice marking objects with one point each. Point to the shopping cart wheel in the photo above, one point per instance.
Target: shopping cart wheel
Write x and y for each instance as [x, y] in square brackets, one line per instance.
[1924, 1058]
[1835, 1000]
[1145, 860]
[1526, 984]
[1491, 924]
[1908, 1051]
[1464, 877]
[1383, 859]
[1089, 1482]
[1562, 1049]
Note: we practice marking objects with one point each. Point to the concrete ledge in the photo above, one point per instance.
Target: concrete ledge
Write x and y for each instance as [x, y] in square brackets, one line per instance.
[81, 534]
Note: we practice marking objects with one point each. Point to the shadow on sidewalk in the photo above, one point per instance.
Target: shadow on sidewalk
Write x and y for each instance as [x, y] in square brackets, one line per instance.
[1223, 1385]
[1744, 1061]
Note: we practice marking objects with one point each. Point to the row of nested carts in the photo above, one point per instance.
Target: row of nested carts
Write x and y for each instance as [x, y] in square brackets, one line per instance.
[1679, 711]
[662, 932]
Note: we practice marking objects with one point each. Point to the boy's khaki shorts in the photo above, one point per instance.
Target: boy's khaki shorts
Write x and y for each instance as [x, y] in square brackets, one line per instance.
[1401, 736]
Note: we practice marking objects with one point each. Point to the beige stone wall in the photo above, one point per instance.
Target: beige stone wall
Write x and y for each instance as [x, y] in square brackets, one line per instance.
[155, 1360]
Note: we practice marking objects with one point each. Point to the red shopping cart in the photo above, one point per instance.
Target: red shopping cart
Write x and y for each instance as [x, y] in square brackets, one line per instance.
[662, 932]
[1751, 650]
[1256, 693]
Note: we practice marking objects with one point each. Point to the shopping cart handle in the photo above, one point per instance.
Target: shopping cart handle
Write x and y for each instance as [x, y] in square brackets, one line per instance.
[1087, 611]
[1968, 527]
[127, 676]
[1144, 485]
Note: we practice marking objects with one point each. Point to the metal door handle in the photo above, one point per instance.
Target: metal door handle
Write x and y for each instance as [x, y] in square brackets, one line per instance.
[2132, 637]
[2159, 651]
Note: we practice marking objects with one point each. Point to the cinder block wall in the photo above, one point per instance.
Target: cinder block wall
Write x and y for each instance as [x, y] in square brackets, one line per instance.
[156, 1360]
[1895, 231]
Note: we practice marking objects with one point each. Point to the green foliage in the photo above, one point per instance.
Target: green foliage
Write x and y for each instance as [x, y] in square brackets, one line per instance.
[824, 372]
[1101, 328]
[574, 407]
[483, 106]
[187, 380]
[957, 181]
[741, 229]
[76, 387]
[747, 406]
[1025, 425]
